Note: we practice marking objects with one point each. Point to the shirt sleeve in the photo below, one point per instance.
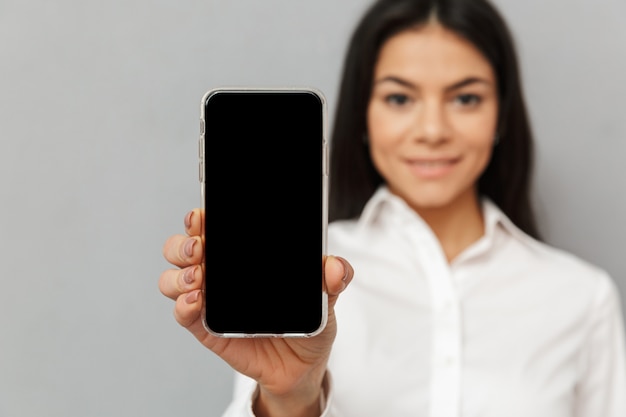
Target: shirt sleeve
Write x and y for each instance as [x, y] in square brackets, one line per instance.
[245, 391]
[602, 390]
[330, 406]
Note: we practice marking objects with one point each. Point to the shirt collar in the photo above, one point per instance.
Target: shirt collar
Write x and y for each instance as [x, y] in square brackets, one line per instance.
[383, 203]
[374, 207]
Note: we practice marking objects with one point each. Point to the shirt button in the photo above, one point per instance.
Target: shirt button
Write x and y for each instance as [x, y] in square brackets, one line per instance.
[450, 361]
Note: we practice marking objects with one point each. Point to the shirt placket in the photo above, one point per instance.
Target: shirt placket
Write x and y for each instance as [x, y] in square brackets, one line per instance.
[446, 355]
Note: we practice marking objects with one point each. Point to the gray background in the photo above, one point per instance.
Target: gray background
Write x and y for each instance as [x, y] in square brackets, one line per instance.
[99, 105]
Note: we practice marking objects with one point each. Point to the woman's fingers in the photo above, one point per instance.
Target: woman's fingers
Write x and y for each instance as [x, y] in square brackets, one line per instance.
[188, 309]
[194, 221]
[184, 285]
[183, 251]
[174, 282]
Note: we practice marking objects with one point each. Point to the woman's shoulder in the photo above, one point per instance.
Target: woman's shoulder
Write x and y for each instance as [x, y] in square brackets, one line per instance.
[567, 266]
[545, 266]
[545, 255]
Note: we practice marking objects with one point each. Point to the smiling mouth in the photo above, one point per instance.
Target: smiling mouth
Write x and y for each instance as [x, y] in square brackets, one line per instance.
[432, 164]
[432, 168]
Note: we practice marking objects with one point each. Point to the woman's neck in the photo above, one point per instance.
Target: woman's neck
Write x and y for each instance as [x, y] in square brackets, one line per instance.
[457, 225]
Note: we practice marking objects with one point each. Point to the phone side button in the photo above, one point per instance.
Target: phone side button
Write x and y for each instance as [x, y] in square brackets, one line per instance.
[201, 171]
[326, 160]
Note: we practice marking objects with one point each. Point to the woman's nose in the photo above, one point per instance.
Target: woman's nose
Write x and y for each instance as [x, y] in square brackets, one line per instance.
[431, 124]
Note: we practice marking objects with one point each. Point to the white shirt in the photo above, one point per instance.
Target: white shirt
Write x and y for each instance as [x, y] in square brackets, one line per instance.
[511, 328]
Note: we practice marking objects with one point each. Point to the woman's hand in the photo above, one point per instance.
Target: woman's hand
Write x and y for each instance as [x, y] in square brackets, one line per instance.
[289, 371]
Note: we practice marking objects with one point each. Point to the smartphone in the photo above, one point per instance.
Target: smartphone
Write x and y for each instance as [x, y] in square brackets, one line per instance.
[264, 175]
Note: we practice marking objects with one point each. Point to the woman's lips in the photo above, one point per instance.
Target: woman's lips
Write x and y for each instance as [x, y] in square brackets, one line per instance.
[432, 168]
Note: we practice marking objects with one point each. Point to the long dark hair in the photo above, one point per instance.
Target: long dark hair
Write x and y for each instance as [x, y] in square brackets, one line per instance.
[506, 180]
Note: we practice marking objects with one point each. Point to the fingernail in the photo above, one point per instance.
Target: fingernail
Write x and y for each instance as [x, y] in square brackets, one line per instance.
[192, 297]
[188, 220]
[188, 248]
[189, 276]
[345, 269]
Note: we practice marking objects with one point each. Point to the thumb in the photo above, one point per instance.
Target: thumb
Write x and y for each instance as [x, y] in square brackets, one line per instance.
[337, 273]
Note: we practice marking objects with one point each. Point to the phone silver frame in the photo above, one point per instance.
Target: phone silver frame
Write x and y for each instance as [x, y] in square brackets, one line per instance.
[325, 164]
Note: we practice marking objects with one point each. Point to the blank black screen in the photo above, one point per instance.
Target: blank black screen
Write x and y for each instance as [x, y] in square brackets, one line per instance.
[264, 214]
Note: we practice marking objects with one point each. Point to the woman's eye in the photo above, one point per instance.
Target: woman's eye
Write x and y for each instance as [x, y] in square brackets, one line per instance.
[397, 99]
[467, 100]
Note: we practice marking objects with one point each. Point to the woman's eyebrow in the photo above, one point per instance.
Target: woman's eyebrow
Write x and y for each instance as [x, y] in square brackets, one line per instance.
[468, 81]
[459, 84]
[396, 80]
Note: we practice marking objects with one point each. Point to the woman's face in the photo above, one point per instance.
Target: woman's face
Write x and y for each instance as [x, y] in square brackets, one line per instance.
[432, 116]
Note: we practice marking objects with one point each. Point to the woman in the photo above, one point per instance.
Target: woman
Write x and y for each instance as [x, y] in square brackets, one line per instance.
[457, 307]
